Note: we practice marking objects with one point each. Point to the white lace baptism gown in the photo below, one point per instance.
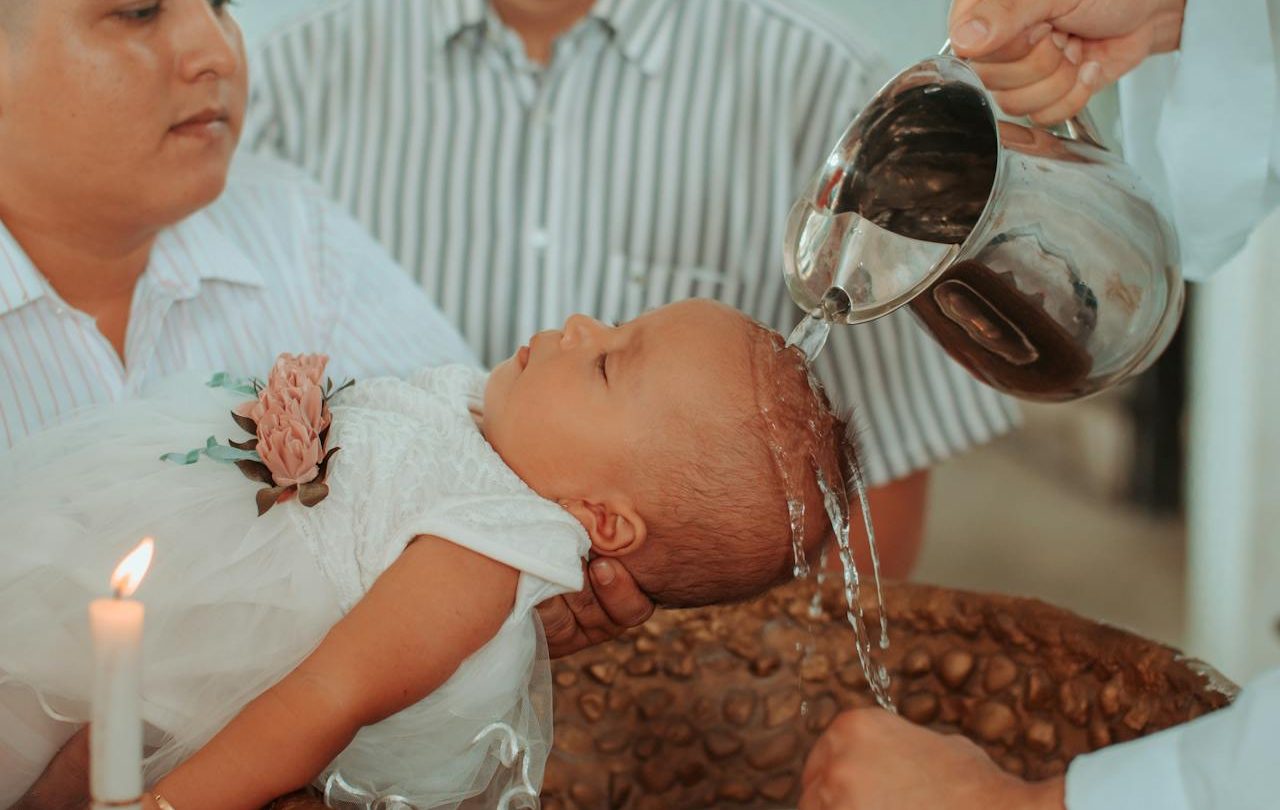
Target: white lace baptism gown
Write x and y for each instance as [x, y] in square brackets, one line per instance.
[234, 601]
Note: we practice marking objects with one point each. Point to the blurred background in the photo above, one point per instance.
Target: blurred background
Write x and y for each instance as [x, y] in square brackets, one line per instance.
[1087, 506]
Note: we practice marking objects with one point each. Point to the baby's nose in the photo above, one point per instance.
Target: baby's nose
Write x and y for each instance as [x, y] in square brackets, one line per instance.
[580, 328]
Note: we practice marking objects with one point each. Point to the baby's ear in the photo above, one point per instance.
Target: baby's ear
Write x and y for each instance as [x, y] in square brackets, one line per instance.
[616, 530]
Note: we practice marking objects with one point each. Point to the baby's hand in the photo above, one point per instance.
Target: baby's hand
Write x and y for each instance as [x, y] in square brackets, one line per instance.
[608, 606]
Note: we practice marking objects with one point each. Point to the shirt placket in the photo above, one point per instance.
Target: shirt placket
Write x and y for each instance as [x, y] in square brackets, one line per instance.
[541, 303]
[153, 299]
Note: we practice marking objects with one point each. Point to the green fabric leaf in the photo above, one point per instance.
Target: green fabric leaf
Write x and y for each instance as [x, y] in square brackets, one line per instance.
[222, 379]
[188, 457]
[219, 452]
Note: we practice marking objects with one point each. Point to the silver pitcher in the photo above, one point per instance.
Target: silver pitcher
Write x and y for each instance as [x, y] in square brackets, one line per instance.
[1037, 260]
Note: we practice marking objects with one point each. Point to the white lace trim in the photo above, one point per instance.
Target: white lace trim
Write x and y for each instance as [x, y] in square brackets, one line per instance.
[41, 699]
[511, 748]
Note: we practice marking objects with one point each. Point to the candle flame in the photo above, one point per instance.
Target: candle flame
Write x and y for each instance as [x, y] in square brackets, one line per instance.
[129, 573]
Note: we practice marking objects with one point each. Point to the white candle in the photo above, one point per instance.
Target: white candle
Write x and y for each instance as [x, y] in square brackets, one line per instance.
[115, 730]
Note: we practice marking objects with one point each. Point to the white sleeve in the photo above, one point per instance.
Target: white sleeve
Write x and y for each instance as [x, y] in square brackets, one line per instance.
[1199, 126]
[1227, 759]
[383, 323]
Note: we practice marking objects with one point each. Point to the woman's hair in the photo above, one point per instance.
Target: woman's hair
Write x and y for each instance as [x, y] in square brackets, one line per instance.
[718, 517]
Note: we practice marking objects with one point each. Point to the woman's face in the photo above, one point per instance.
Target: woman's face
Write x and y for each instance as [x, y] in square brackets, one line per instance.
[124, 111]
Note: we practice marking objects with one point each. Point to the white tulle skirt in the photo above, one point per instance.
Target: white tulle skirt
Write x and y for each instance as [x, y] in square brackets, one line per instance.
[233, 603]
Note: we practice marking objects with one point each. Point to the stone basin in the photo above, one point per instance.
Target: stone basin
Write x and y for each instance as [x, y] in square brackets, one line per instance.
[717, 707]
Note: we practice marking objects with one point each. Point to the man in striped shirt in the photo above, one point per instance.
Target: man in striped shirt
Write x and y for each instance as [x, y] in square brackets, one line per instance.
[527, 160]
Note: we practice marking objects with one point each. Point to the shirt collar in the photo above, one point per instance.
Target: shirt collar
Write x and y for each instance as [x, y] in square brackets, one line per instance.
[450, 17]
[20, 281]
[200, 249]
[642, 29]
[185, 255]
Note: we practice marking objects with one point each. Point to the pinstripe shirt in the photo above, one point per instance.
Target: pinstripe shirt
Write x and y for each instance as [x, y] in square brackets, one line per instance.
[271, 266]
[653, 158]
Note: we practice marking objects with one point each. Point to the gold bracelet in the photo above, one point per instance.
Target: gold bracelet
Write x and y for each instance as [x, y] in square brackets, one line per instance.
[162, 802]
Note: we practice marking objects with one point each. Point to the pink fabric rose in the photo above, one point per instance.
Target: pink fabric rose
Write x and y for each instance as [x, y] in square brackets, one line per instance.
[289, 446]
[291, 370]
[303, 401]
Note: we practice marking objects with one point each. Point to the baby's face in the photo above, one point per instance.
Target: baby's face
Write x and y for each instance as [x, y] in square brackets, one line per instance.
[569, 412]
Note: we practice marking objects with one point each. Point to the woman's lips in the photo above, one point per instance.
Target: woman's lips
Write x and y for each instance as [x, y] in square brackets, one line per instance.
[522, 357]
[207, 124]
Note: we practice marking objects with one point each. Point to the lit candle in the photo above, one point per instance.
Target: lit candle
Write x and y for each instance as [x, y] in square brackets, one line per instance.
[115, 730]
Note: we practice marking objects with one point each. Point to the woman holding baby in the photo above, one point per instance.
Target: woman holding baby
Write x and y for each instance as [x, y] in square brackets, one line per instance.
[369, 623]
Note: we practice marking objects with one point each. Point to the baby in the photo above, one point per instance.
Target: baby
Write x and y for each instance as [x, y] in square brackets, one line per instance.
[381, 643]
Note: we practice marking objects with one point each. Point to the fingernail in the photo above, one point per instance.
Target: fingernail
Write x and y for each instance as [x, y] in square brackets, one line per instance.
[1090, 73]
[1074, 51]
[1060, 39]
[1039, 32]
[602, 572]
[971, 34]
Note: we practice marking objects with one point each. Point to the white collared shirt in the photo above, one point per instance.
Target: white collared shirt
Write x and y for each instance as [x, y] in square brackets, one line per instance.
[654, 158]
[271, 266]
[1227, 760]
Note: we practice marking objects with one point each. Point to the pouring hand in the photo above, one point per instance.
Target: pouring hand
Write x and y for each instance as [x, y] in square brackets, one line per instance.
[872, 760]
[610, 604]
[1046, 58]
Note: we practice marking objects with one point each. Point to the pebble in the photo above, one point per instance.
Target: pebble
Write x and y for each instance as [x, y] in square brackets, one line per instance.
[681, 668]
[1000, 675]
[917, 662]
[654, 702]
[591, 704]
[993, 722]
[1041, 736]
[1073, 700]
[919, 707]
[722, 743]
[739, 705]
[603, 672]
[781, 707]
[954, 668]
[771, 752]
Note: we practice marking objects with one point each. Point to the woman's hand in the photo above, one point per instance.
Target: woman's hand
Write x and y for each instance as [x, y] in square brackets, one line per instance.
[870, 759]
[609, 605]
[1046, 58]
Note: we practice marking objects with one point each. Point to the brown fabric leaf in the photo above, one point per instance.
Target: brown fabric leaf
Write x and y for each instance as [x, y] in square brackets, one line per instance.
[324, 464]
[255, 471]
[248, 444]
[246, 424]
[312, 493]
[268, 497]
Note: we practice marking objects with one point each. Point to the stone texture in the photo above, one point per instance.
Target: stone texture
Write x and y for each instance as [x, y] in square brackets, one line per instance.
[1033, 684]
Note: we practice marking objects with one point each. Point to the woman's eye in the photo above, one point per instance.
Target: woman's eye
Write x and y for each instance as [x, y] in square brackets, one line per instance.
[219, 5]
[604, 372]
[140, 14]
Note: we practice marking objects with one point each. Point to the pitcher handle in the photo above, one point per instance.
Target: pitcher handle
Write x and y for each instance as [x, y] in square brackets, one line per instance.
[1080, 127]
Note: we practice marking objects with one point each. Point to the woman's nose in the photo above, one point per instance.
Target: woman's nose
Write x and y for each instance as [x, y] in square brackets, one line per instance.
[580, 329]
[208, 41]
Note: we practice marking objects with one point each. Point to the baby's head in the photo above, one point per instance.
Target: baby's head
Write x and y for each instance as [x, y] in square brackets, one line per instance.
[657, 434]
